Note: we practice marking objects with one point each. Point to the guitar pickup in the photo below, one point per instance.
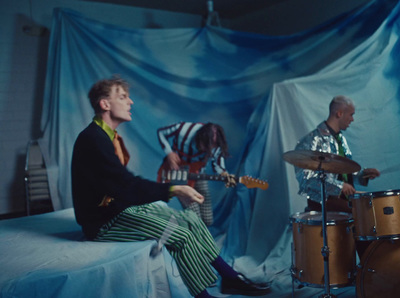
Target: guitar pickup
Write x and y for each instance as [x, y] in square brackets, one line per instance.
[177, 175]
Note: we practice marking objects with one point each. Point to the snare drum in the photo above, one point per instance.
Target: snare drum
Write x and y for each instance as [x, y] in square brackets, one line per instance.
[376, 215]
[378, 272]
[308, 262]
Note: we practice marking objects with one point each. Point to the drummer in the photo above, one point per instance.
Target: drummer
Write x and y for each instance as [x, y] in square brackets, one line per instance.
[328, 138]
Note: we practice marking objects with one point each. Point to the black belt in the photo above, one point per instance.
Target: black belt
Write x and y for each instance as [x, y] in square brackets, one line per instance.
[313, 206]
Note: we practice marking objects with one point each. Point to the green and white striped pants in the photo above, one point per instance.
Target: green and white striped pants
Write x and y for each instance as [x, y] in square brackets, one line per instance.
[190, 244]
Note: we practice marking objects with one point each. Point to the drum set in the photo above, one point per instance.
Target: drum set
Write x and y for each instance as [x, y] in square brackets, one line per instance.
[324, 243]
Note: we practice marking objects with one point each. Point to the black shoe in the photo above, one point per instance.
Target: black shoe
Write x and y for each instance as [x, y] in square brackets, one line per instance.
[243, 286]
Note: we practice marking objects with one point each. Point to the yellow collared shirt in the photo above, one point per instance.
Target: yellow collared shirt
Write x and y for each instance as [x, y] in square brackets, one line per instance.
[100, 122]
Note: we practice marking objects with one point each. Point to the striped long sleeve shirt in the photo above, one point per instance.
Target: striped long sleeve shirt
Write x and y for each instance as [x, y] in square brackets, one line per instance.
[180, 138]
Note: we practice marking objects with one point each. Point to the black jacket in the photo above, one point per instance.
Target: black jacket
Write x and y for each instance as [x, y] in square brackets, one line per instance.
[97, 172]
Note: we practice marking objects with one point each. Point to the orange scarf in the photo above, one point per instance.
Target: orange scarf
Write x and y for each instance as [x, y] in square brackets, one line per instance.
[120, 149]
[123, 155]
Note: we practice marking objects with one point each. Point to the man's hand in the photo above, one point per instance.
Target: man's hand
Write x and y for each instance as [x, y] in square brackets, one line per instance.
[371, 173]
[186, 194]
[173, 161]
[348, 189]
[231, 182]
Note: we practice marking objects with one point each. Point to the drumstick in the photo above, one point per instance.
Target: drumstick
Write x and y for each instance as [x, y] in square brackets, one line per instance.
[391, 169]
[384, 171]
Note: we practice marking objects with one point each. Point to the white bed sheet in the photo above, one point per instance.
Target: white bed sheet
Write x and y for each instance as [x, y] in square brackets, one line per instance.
[47, 256]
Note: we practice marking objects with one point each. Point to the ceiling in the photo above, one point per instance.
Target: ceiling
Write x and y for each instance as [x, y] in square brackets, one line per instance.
[270, 17]
[227, 9]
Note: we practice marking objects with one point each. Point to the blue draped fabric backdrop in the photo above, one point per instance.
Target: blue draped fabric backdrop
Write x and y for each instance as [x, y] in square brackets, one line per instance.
[266, 91]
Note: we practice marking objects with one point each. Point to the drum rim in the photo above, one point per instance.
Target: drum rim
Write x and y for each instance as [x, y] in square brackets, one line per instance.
[314, 222]
[372, 238]
[315, 285]
[376, 194]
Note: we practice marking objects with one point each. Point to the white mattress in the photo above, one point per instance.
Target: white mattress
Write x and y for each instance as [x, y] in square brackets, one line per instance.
[47, 256]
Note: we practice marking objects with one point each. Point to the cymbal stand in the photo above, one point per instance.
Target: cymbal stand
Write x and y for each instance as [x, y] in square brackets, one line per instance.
[325, 248]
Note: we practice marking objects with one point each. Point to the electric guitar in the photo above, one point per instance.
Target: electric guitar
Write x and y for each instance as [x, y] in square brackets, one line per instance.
[189, 174]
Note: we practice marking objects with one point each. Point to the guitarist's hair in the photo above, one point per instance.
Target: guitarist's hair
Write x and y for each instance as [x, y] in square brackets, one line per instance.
[204, 139]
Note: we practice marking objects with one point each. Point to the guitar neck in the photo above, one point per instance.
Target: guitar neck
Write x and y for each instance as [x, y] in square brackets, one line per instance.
[184, 176]
[195, 176]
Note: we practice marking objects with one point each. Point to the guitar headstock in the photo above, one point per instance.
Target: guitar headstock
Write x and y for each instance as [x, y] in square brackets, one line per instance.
[250, 182]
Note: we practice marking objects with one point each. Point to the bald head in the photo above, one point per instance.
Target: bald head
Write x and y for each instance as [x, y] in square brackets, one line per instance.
[341, 111]
[339, 103]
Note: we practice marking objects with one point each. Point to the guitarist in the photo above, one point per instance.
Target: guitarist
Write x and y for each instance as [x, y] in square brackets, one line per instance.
[196, 144]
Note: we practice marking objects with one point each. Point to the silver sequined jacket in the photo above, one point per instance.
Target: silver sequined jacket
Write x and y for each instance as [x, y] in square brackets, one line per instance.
[322, 140]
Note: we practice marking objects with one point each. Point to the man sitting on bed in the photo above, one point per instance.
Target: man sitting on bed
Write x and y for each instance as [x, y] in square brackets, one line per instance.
[113, 204]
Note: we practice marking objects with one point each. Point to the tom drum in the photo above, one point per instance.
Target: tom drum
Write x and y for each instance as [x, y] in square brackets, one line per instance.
[376, 215]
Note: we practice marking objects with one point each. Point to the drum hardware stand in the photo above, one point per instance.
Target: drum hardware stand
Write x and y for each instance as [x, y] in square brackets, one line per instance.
[333, 163]
[292, 269]
[325, 248]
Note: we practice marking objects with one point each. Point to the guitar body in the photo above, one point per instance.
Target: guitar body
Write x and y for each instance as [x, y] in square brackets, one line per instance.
[167, 175]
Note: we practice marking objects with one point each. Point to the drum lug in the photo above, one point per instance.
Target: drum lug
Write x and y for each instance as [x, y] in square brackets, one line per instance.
[371, 270]
[370, 203]
[301, 273]
[349, 230]
[374, 229]
[350, 275]
[294, 271]
[300, 228]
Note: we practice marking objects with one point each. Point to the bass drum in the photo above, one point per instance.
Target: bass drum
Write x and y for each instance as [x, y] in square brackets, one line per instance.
[308, 262]
[378, 274]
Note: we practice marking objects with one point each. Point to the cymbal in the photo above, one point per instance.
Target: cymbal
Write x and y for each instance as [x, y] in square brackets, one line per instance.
[312, 160]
